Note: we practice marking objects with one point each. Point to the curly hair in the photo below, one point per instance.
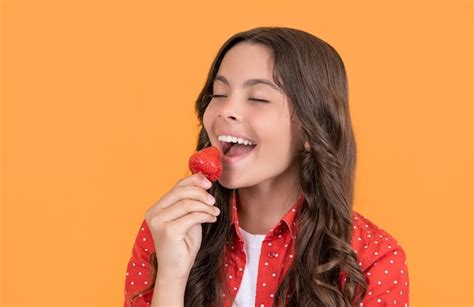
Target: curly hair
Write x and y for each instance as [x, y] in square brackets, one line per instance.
[313, 76]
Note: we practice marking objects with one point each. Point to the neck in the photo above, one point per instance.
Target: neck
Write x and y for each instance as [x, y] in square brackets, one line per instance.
[262, 206]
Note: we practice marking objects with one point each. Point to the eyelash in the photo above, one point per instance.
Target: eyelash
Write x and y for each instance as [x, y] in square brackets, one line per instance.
[254, 99]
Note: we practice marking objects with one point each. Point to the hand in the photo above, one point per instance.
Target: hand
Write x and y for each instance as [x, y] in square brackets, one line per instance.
[175, 224]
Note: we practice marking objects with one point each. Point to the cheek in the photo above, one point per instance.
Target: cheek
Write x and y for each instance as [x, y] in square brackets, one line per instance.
[208, 118]
[276, 128]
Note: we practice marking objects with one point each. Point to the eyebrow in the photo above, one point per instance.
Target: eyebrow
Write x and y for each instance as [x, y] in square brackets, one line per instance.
[250, 82]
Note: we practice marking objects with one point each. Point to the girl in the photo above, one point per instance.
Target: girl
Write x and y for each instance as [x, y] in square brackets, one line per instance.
[280, 230]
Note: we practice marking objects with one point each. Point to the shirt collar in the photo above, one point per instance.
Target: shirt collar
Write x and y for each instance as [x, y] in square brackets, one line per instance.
[289, 220]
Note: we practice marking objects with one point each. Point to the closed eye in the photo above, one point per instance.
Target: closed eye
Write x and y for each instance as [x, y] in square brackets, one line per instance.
[262, 100]
[254, 99]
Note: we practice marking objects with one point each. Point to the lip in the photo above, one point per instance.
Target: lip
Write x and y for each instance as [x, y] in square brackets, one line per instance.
[232, 160]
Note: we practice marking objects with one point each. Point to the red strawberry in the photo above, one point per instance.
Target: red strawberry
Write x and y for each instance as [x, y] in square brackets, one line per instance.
[208, 162]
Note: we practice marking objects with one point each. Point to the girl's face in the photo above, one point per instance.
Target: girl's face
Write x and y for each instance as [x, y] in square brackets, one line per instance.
[267, 123]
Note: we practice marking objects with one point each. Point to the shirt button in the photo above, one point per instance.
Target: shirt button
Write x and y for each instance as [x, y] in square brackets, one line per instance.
[272, 254]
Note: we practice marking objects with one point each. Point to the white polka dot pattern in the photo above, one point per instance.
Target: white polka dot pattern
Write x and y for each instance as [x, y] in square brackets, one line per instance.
[379, 255]
[383, 262]
[138, 276]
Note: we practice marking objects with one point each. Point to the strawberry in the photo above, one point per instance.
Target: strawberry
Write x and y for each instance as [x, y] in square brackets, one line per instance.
[208, 162]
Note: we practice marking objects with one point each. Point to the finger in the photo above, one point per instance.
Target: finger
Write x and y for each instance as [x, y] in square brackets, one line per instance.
[182, 225]
[184, 207]
[197, 179]
[185, 192]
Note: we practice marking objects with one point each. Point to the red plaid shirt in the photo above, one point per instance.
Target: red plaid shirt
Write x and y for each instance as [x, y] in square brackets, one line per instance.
[380, 256]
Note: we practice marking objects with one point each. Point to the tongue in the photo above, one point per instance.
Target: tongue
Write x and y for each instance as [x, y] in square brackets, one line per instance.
[239, 149]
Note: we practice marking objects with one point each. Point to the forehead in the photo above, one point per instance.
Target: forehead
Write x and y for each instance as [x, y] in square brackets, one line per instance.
[247, 64]
[248, 60]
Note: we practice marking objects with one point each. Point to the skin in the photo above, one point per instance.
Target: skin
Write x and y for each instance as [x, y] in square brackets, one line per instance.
[267, 179]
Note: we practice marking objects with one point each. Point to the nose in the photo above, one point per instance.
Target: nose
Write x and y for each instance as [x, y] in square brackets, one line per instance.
[229, 109]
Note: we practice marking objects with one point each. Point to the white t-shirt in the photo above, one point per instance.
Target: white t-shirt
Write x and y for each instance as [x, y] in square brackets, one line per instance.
[247, 291]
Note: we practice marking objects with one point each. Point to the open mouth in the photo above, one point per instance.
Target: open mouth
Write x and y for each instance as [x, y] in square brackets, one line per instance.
[234, 149]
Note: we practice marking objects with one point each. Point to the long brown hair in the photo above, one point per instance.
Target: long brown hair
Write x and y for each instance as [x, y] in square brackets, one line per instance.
[313, 76]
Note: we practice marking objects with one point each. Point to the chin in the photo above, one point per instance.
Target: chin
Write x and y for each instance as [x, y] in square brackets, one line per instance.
[234, 183]
[228, 184]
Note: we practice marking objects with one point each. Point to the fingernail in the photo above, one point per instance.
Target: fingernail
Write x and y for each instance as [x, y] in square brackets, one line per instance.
[207, 183]
[211, 199]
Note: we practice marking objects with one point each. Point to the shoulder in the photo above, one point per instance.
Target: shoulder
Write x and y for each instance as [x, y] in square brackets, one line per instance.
[371, 242]
[382, 260]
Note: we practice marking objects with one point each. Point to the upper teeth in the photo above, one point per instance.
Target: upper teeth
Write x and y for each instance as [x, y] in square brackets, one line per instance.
[228, 138]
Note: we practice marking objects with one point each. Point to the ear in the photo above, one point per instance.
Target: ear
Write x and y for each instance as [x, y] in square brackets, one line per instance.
[306, 146]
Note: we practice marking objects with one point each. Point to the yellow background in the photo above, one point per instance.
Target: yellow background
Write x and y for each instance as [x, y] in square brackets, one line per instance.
[97, 122]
